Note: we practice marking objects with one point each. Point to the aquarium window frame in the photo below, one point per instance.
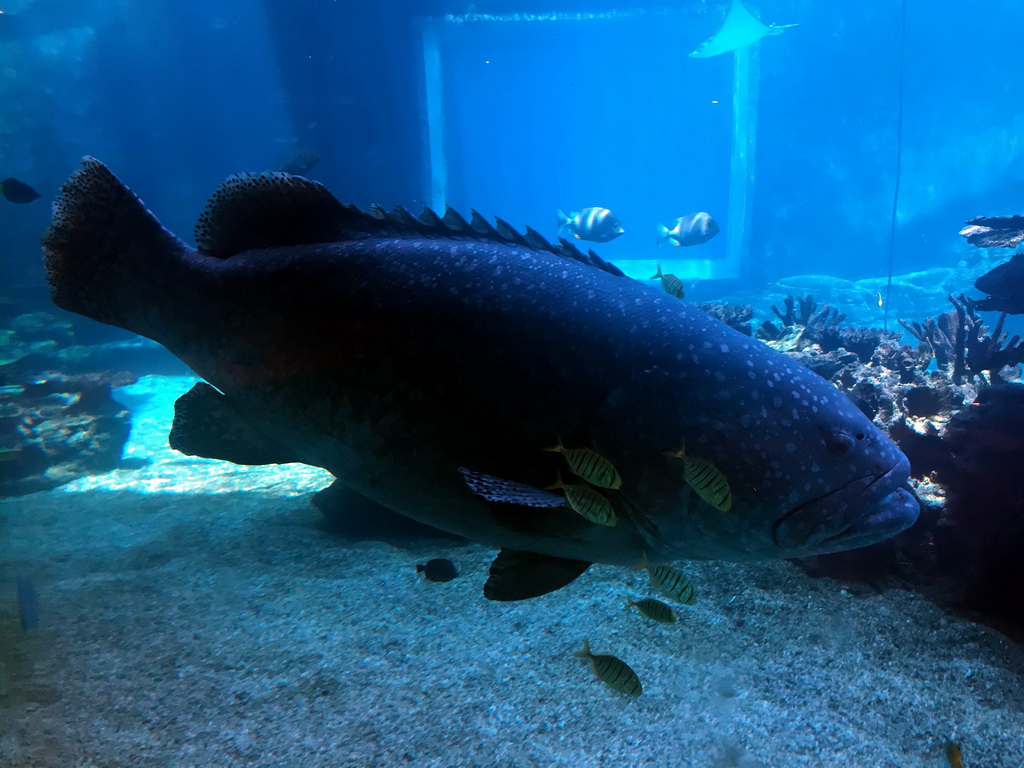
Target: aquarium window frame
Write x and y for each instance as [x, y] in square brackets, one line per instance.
[745, 92]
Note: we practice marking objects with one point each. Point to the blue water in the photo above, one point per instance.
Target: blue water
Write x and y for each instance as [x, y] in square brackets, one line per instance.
[802, 146]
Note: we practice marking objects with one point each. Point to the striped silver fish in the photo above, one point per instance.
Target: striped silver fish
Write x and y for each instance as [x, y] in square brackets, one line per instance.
[691, 229]
[598, 225]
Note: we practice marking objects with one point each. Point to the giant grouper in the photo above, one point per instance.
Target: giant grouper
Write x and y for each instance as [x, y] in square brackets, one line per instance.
[430, 363]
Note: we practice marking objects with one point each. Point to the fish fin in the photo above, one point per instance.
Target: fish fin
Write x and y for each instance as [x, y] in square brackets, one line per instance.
[272, 209]
[350, 514]
[663, 235]
[106, 256]
[207, 424]
[563, 220]
[508, 492]
[269, 210]
[518, 575]
[585, 653]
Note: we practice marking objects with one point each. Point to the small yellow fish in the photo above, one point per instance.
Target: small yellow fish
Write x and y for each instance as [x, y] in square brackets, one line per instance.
[706, 479]
[671, 284]
[670, 582]
[953, 756]
[878, 298]
[587, 502]
[590, 465]
[655, 610]
[612, 671]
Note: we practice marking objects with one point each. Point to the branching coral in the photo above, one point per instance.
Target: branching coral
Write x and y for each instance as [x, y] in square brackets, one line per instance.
[961, 343]
[796, 322]
[734, 315]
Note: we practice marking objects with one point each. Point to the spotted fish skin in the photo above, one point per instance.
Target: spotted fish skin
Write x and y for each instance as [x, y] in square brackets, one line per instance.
[393, 350]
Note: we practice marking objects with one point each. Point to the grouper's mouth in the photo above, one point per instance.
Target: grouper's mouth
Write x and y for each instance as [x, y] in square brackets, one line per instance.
[864, 511]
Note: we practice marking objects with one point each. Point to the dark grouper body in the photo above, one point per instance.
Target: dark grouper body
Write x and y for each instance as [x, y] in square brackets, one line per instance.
[394, 351]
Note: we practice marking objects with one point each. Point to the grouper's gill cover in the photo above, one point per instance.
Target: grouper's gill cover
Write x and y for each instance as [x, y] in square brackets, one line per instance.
[402, 353]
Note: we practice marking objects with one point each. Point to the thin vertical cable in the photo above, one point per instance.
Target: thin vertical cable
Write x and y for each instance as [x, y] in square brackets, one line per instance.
[899, 159]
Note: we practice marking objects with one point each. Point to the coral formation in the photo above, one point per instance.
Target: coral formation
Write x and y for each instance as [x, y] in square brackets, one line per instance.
[963, 551]
[736, 316]
[55, 427]
[797, 324]
[960, 342]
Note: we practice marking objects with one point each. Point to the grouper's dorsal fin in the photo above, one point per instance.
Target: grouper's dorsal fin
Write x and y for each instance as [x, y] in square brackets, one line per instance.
[268, 210]
[250, 211]
[452, 225]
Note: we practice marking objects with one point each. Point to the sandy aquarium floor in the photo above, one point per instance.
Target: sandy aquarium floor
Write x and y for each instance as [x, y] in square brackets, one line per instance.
[195, 613]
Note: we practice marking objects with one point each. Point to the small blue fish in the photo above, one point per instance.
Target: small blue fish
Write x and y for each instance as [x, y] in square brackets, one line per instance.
[28, 604]
[598, 225]
[691, 229]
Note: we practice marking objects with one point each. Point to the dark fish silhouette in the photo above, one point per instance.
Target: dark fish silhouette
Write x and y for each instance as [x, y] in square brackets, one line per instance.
[1004, 285]
[438, 569]
[301, 163]
[17, 191]
[394, 350]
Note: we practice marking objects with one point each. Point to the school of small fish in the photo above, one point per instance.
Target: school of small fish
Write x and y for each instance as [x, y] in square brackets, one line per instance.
[598, 476]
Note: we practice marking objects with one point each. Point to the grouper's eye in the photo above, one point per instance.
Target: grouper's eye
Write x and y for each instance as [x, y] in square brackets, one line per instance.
[839, 441]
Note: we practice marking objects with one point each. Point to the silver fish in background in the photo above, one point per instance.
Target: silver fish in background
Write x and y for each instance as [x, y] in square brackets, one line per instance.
[368, 343]
[300, 163]
[598, 225]
[691, 229]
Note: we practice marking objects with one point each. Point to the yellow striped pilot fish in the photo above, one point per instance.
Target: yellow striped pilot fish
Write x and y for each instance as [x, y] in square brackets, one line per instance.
[670, 582]
[612, 671]
[706, 479]
[590, 466]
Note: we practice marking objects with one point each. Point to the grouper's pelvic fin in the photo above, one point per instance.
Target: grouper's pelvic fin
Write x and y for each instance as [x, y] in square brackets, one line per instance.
[517, 575]
[272, 209]
[106, 256]
[207, 424]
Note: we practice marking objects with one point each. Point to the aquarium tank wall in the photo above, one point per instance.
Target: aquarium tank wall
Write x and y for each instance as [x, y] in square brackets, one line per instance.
[535, 382]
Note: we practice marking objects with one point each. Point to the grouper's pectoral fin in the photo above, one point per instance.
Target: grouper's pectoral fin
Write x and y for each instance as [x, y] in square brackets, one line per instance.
[350, 514]
[517, 575]
[207, 424]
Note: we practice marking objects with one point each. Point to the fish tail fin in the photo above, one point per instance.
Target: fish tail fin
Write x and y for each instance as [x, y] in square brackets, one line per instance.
[585, 653]
[663, 233]
[657, 275]
[106, 256]
[564, 230]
